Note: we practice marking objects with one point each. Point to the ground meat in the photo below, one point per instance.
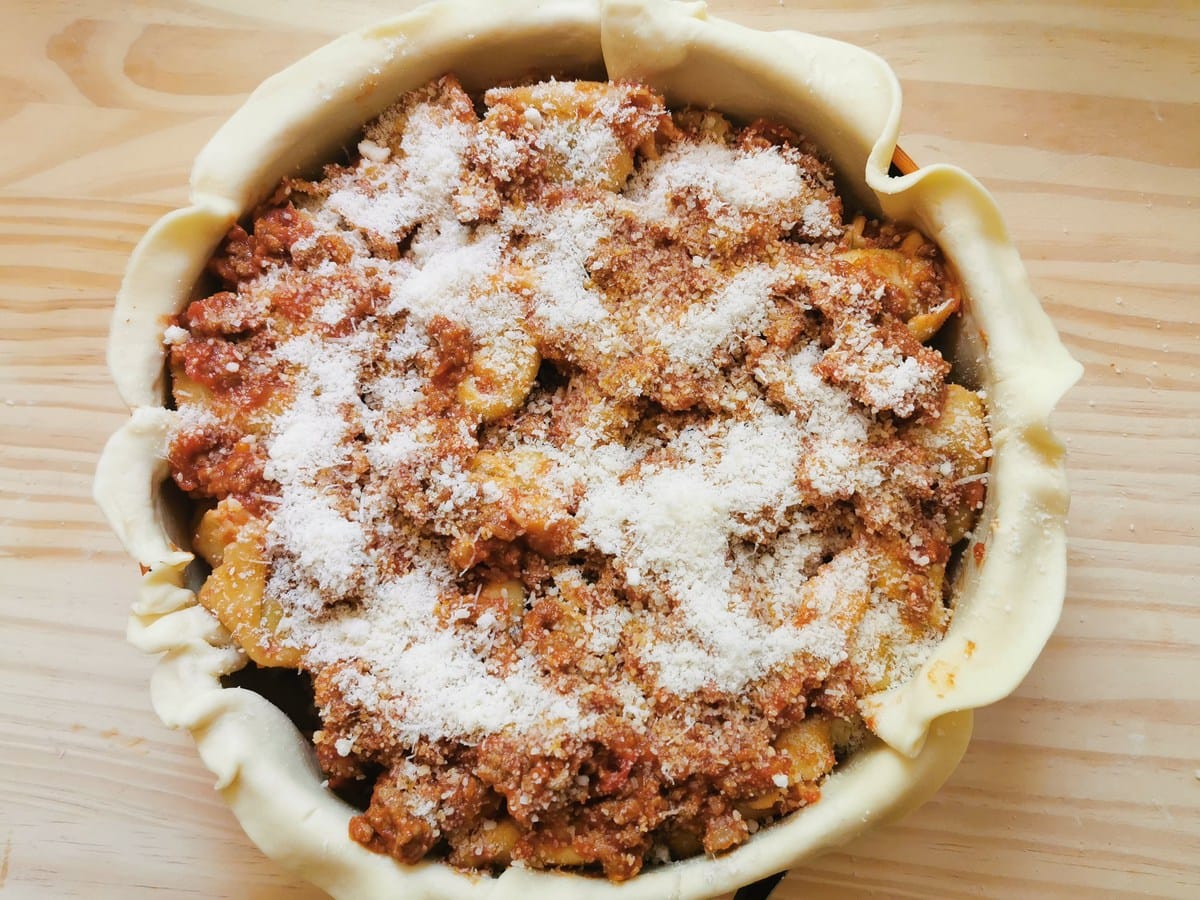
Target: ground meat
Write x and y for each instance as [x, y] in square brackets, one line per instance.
[247, 254]
[218, 462]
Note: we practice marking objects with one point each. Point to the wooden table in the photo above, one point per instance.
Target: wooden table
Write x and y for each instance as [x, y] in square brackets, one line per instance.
[1083, 122]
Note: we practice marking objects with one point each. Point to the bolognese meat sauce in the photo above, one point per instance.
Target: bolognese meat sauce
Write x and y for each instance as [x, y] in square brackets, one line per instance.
[600, 468]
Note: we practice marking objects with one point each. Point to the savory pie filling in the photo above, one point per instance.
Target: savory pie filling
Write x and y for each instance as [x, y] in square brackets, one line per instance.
[590, 464]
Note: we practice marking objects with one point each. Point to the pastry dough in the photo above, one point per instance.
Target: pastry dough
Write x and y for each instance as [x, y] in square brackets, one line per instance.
[847, 101]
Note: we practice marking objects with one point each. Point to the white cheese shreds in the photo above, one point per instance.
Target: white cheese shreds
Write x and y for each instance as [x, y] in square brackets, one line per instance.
[676, 523]
[564, 239]
[738, 310]
[836, 462]
[329, 546]
[416, 664]
[888, 379]
[173, 334]
[390, 197]
[726, 180]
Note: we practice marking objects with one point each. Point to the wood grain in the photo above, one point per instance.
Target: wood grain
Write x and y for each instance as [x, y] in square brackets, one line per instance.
[1084, 121]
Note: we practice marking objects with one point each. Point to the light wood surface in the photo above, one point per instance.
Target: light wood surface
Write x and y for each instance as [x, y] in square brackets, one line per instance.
[1082, 118]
